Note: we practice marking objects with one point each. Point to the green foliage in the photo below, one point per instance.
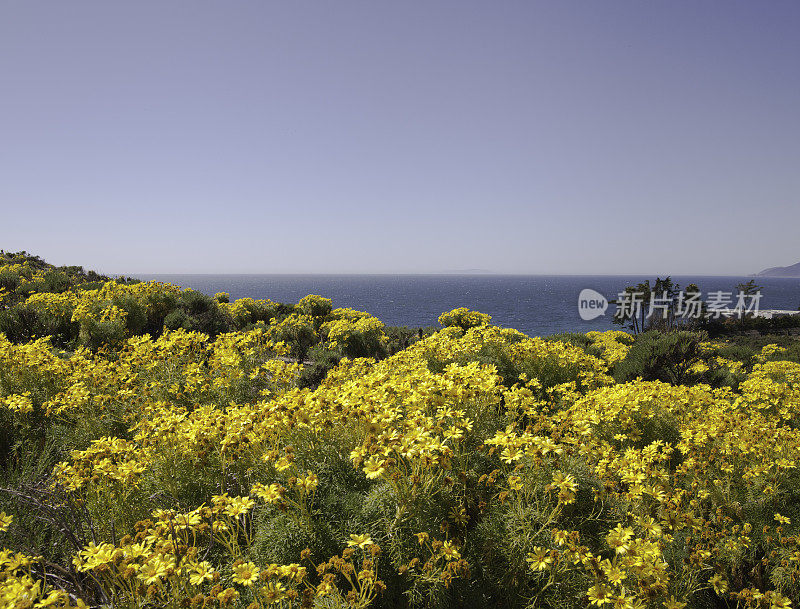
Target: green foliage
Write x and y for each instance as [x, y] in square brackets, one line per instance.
[246, 312]
[363, 338]
[323, 359]
[400, 337]
[297, 331]
[315, 306]
[22, 274]
[573, 338]
[197, 312]
[10, 279]
[95, 334]
[656, 356]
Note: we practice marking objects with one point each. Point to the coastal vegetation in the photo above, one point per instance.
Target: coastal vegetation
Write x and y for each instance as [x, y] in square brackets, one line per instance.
[665, 306]
[164, 448]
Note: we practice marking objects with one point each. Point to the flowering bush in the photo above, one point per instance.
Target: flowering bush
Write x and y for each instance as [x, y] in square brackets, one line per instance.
[476, 467]
[464, 319]
[361, 336]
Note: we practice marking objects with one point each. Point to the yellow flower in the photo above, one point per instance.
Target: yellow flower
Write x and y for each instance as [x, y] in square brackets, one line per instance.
[53, 598]
[227, 596]
[5, 521]
[309, 483]
[719, 584]
[782, 519]
[539, 559]
[509, 455]
[154, 570]
[449, 551]
[652, 527]
[615, 575]
[95, 555]
[20, 403]
[238, 506]
[374, 467]
[360, 541]
[271, 494]
[560, 537]
[779, 601]
[600, 595]
[566, 485]
[283, 464]
[201, 572]
[515, 483]
[273, 592]
[671, 603]
[245, 574]
[618, 539]
[624, 602]
[293, 572]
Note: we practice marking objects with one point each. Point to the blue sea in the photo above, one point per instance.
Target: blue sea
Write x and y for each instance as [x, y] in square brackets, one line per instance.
[538, 305]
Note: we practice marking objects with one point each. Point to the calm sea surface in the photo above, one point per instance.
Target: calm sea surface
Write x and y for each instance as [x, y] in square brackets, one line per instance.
[537, 305]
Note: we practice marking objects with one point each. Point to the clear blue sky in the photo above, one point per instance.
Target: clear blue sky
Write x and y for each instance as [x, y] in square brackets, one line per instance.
[522, 137]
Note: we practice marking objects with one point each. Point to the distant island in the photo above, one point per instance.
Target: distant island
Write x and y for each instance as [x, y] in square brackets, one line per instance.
[465, 272]
[781, 271]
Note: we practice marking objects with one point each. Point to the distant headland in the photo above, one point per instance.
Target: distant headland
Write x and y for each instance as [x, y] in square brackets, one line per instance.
[781, 271]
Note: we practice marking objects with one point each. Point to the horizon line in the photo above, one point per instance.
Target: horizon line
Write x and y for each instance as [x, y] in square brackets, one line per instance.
[436, 274]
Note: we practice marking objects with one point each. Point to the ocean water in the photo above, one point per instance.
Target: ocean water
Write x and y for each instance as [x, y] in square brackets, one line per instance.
[538, 305]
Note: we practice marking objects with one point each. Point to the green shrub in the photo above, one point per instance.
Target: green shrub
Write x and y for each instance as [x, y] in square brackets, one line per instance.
[197, 312]
[573, 338]
[657, 356]
[324, 359]
[315, 306]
